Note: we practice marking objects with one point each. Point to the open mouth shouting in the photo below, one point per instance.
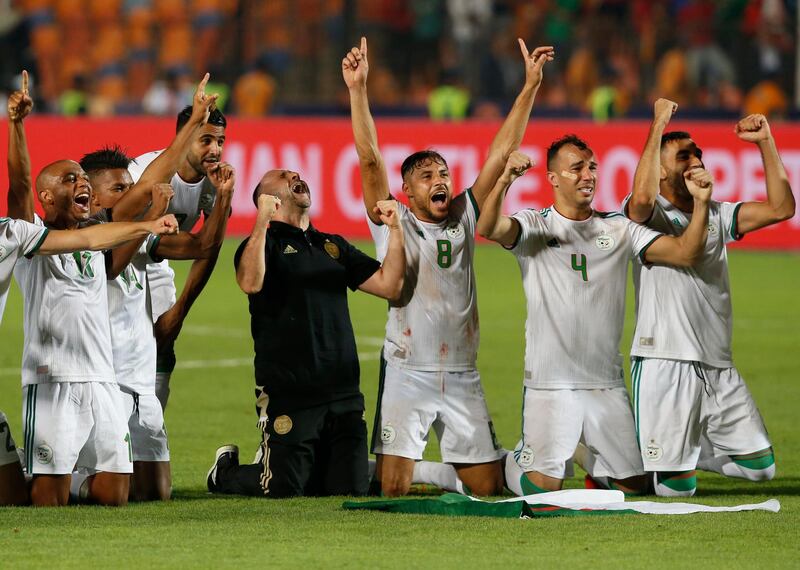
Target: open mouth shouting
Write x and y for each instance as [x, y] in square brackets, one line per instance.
[586, 190]
[300, 187]
[82, 200]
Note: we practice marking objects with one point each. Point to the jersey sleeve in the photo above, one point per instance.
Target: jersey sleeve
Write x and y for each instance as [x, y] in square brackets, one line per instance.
[642, 238]
[359, 265]
[729, 219]
[380, 233]
[140, 163]
[530, 227]
[466, 209]
[30, 237]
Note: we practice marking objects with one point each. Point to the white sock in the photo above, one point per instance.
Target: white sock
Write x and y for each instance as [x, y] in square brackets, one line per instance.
[513, 472]
[79, 487]
[725, 465]
[440, 474]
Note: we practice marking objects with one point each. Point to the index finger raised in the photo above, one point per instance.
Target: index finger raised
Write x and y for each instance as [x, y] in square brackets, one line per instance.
[25, 81]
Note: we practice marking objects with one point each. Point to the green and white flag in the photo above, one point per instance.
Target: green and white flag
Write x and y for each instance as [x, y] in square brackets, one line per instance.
[572, 502]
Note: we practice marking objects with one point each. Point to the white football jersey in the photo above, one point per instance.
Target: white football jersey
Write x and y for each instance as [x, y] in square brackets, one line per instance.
[434, 326]
[574, 274]
[67, 332]
[190, 200]
[132, 338]
[17, 238]
[685, 313]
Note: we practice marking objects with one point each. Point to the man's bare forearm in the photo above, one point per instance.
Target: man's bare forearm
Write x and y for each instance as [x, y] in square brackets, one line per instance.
[779, 192]
[20, 185]
[374, 180]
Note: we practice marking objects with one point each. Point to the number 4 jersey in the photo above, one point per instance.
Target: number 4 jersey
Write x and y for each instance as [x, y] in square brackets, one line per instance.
[574, 274]
[434, 326]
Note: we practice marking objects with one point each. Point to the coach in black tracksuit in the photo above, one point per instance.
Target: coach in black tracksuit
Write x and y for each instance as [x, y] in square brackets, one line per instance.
[311, 410]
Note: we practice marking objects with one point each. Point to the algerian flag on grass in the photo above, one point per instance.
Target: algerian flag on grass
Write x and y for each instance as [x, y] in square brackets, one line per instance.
[572, 502]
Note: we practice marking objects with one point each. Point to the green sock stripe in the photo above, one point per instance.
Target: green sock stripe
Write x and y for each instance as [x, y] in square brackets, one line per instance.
[528, 487]
[756, 463]
[684, 481]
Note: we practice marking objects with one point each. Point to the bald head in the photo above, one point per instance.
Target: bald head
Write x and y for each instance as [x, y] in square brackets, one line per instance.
[54, 172]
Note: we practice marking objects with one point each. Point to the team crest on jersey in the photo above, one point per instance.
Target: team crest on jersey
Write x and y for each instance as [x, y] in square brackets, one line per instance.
[332, 249]
[604, 242]
[455, 232]
[282, 425]
[712, 230]
[44, 454]
[653, 451]
[388, 435]
[525, 457]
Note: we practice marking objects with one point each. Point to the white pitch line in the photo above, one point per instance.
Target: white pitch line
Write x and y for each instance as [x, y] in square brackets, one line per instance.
[211, 363]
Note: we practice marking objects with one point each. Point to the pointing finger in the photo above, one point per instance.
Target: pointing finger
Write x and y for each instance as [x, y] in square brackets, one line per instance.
[25, 81]
[201, 87]
[523, 48]
[364, 46]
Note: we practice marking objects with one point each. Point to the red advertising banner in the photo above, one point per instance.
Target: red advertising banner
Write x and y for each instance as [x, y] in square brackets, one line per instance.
[322, 151]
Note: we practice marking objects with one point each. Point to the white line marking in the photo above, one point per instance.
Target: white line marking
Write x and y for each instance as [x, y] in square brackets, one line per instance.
[212, 363]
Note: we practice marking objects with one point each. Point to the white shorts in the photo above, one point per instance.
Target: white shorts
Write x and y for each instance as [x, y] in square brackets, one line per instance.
[410, 402]
[146, 425]
[555, 421]
[71, 425]
[8, 449]
[677, 403]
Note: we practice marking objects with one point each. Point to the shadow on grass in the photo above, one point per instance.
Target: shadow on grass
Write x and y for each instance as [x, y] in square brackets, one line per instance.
[781, 486]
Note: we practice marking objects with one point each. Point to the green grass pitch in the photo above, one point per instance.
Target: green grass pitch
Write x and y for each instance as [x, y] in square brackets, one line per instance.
[212, 404]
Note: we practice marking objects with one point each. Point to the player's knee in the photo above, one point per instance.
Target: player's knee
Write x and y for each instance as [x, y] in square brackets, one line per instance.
[485, 487]
[675, 484]
[110, 491]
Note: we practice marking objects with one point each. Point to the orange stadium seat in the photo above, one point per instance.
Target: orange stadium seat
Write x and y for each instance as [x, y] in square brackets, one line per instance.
[105, 12]
[171, 12]
[176, 46]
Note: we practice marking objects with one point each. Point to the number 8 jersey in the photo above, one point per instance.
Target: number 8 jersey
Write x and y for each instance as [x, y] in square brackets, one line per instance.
[574, 274]
[434, 326]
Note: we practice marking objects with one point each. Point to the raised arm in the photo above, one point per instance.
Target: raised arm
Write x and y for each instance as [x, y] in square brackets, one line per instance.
[105, 236]
[509, 137]
[387, 282]
[203, 244]
[20, 185]
[253, 263]
[648, 172]
[492, 224]
[780, 204]
[374, 180]
[118, 259]
[166, 164]
[686, 250]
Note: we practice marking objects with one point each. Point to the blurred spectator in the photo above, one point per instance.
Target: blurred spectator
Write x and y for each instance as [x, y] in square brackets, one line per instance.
[768, 99]
[254, 91]
[127, 56]
[449, 101]
[169, 95]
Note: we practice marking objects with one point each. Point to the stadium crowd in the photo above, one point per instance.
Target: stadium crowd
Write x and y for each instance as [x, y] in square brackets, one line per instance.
[444, 58]
[100, 328]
